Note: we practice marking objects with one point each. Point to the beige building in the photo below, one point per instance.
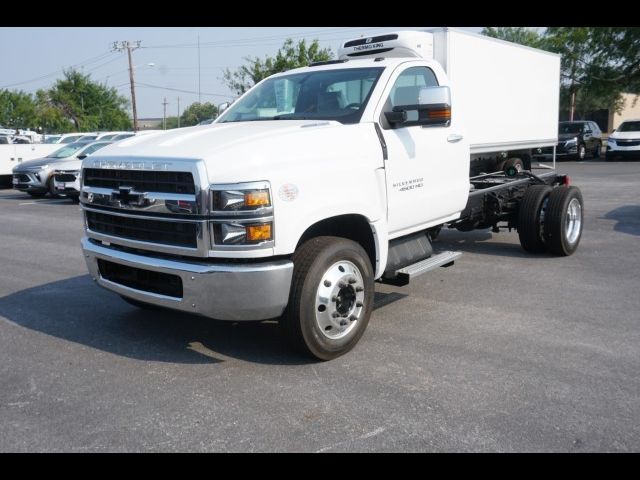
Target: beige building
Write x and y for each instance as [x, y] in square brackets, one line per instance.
[631, 110]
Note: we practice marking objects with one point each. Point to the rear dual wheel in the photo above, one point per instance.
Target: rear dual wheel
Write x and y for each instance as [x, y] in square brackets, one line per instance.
[551, 219]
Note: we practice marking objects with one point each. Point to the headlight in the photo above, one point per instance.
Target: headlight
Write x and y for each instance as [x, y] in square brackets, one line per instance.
[36, 169]
[242, 233]
[612, 141]
[245, 200]
[573, 141]
[241, 198]
[243, 213]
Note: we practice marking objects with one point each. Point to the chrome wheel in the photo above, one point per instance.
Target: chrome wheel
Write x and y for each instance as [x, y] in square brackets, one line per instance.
[339, 300]
[573, 226]
[582, 152]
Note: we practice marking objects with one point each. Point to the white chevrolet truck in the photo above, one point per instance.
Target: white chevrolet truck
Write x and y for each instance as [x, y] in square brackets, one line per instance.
[320, 181]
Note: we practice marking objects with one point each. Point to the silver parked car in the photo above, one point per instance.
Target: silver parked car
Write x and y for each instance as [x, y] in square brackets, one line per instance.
[35, 176]
[66, 176]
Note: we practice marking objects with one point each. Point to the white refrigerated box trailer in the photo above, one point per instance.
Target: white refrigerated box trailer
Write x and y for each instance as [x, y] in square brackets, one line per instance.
[507, 94]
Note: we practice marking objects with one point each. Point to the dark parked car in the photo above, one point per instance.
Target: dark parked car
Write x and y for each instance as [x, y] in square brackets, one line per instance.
[576, 140]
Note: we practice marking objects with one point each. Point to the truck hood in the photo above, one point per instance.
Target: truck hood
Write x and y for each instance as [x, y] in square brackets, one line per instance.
[69, 164]
[624, 135]
[200, 141]
[563, 137]
[252, 150]
[29, 164]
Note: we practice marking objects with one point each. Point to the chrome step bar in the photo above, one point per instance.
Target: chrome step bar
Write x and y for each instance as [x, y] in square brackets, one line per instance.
[404, 275]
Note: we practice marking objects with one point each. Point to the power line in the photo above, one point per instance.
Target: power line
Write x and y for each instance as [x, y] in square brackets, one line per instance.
[42, 77]
[147, 85]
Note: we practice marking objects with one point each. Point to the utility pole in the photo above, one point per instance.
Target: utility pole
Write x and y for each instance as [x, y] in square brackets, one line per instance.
[199, 96]
[129, 46]
[178, 112]
[164, 114]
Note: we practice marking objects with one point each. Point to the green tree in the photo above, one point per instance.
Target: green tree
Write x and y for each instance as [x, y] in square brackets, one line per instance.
[194, 114]
[17, 110]
[49, 117]
[88, 105]
[289, 56]
[521, 35]
[172, 122]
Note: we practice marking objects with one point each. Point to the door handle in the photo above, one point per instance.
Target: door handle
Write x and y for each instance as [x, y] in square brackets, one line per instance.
[454, 138]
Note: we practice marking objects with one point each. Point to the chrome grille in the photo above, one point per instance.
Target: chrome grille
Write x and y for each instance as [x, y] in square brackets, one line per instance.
[179, 234]
[65, 177]
[141, 180]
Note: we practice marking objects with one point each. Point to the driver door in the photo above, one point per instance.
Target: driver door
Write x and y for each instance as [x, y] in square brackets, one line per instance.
[427, 170]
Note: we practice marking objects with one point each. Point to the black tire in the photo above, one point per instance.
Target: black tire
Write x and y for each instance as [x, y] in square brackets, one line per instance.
[37, 194]
[52, 188]
[529, 218]
[142, 305]
[312, 262]
[515, 162]
[582, 152]
[598, 151]
[559, 235]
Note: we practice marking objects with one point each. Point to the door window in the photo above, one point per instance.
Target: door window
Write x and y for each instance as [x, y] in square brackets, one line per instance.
[406, 90]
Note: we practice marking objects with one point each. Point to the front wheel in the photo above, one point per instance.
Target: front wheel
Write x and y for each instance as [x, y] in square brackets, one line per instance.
[582, 152]
[598, 150]
[52, 188]
[331, 297]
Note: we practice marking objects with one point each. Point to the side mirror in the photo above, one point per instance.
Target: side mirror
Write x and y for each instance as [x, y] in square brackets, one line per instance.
[433, 108]
[222, 107]
[82, 156]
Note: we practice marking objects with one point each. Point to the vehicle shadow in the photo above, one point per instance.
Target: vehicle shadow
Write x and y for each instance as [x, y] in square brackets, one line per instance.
[77, 310]
[477, 241]
[628, 218]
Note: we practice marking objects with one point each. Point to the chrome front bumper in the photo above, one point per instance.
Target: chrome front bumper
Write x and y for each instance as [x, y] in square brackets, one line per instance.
[224, 291]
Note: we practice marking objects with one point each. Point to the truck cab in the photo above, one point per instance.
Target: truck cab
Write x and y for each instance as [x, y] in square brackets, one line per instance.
[313, 185]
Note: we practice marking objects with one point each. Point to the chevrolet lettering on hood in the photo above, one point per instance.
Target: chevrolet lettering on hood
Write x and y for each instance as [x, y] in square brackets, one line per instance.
[124, 165]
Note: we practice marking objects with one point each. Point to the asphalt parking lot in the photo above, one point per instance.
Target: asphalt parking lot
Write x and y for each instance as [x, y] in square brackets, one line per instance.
[506, 351]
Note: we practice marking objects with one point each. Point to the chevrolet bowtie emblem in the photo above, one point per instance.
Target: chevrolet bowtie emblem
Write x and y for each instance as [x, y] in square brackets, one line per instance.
[126, 196]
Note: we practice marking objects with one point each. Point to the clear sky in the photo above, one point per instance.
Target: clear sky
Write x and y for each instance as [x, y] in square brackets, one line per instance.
[33, 58]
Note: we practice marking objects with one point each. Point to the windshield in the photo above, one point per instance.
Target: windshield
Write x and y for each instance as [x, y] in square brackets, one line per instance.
[570, 128]
[340, 95]
[67, 150]
[89, 149]
[122, 136]
[629, 127]
[51, 139]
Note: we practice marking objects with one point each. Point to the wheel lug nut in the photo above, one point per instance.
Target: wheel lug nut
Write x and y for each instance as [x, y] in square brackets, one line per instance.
[327, 283]
[334, 299]
[358, 304]
[359, 289]
[352, 318]
[352, 280]
[335, 314]
[342, 284]
[343, 323]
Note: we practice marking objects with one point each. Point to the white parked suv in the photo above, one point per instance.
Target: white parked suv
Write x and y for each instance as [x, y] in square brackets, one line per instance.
[624, 141]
